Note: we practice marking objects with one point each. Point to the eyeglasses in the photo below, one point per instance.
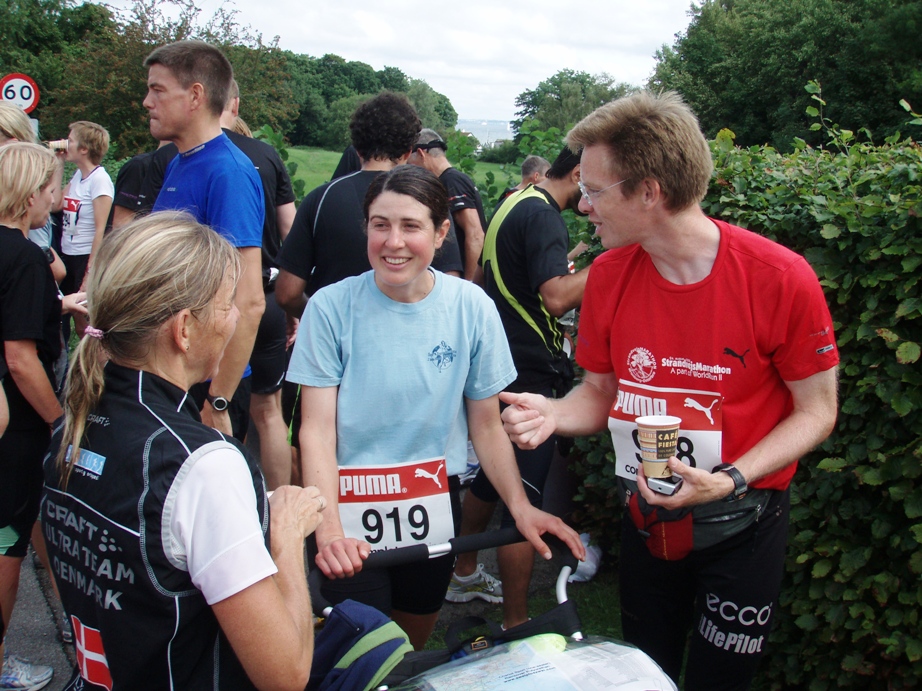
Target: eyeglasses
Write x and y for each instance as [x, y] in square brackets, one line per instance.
[589, 194]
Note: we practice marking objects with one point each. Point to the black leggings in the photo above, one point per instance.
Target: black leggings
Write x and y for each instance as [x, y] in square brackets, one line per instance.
[726, 595]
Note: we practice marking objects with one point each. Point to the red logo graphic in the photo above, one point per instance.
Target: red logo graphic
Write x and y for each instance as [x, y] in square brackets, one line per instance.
[72, 205]
[91, 658]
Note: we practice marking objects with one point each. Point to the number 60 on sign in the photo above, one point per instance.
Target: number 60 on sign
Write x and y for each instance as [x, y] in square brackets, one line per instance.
[21, 90]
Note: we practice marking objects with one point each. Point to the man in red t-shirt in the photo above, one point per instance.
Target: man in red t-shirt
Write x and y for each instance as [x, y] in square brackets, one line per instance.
[692, 317]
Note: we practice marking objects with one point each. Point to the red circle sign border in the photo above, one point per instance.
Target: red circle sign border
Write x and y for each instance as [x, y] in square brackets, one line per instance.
[19, 75]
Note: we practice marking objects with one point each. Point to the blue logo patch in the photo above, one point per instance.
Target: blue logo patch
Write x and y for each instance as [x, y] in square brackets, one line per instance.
[442, 356]
[89, 461]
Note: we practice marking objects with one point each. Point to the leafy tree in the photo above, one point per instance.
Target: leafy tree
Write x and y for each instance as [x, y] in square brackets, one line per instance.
[565, 98]
[324, 86]
[94, 70]
[393, 79]
[741, 64]
[334, 135]
[434, 110]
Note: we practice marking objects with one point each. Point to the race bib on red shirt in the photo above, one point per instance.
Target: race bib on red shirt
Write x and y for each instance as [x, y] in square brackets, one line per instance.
[390, 506]
[700, 434]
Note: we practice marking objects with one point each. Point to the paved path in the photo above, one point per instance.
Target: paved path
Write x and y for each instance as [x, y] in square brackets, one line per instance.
[33, 633]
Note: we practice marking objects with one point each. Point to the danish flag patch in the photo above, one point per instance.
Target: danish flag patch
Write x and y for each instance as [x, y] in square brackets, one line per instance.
[91, 658]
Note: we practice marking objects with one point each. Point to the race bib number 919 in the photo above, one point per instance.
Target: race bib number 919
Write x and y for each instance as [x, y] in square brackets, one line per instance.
[396, 505]
[700, 434]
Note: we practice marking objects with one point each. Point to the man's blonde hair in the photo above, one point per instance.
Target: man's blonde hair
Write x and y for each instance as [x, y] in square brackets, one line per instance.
[25, 169]
[92, 137]
[651, 136]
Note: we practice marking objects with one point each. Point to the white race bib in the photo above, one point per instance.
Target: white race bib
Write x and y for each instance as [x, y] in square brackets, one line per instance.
[390, 506]
[71, 211]
[700, 434]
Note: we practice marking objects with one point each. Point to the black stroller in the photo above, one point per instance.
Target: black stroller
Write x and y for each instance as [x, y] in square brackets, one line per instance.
[406, 670]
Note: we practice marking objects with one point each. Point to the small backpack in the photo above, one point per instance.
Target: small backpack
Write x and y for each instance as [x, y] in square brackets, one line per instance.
[356, 649]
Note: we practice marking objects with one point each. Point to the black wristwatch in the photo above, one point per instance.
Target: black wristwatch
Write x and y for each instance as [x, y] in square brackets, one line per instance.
[740, 487]
[219, 403]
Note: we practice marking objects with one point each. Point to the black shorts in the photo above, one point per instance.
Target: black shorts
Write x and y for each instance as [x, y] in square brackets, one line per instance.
[534, 466]
[269, 361]
[21, 454]
[417, 588]
[76, 270]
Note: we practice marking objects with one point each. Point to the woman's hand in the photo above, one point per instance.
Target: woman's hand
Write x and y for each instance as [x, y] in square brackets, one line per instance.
[295, 514]
[75, 303]
[529, 419]
[342, 557]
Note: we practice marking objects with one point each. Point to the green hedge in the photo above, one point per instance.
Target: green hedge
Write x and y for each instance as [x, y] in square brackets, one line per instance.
[852, 595]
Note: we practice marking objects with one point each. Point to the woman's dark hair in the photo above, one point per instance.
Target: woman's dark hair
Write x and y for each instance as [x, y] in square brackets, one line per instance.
[414, 182]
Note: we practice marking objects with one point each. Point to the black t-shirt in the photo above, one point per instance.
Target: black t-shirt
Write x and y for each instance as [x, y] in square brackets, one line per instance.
[129, 185]
[349, 162]
[327, 242]
[531, 248]
[156, 170]
[29, 310]
[462, 194]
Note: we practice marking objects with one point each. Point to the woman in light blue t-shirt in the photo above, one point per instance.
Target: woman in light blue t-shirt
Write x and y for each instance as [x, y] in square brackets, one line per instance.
[398, 366]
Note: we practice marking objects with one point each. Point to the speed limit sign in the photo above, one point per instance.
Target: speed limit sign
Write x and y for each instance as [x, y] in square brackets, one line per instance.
[19, 89]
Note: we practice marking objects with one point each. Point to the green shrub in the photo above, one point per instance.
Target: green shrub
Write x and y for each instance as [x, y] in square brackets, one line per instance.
[851, 600]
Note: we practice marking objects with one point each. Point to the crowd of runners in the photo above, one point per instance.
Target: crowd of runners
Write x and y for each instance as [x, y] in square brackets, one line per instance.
[390, 341]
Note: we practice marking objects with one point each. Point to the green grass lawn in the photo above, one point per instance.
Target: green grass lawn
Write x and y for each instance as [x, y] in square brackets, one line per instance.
[316, 166]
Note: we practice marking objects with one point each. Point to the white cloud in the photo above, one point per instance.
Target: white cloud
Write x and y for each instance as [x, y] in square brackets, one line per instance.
[478, 54]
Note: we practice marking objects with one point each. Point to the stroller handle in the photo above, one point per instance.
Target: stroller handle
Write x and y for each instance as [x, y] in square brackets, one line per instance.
[456, 545]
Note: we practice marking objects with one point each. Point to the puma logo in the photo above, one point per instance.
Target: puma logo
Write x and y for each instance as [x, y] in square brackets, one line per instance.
[692, 403]
[741, 358]
[421, 472]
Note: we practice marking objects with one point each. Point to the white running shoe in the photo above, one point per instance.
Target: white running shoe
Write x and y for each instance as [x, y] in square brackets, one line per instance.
[21, 675]
[479, 584]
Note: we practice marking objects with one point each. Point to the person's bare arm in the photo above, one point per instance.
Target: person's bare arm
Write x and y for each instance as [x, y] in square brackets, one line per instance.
[284, 217]
[469, 220]
[58, 270]
[498, 461]
[57, 182]
[27, 371]
[576, 251]
[810, 422]
[121, 216]
[338, 556]
[270, 624]
[532, 418]
[251, 301]
[101, 207]
[289, 293]
[563, 293]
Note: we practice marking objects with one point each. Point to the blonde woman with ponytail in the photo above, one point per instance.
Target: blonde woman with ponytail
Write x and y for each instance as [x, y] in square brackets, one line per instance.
[30, 325]
[168, 518]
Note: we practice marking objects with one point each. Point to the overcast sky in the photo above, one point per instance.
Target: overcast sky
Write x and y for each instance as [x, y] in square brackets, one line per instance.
[479, 53]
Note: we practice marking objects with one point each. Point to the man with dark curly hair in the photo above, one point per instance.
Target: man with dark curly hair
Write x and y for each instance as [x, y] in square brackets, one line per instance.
[327, 240]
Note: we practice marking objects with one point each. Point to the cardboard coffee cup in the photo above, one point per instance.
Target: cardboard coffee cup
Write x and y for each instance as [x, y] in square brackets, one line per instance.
[658, 436]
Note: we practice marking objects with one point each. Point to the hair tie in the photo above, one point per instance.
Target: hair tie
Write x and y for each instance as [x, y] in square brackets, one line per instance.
[93, 332]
